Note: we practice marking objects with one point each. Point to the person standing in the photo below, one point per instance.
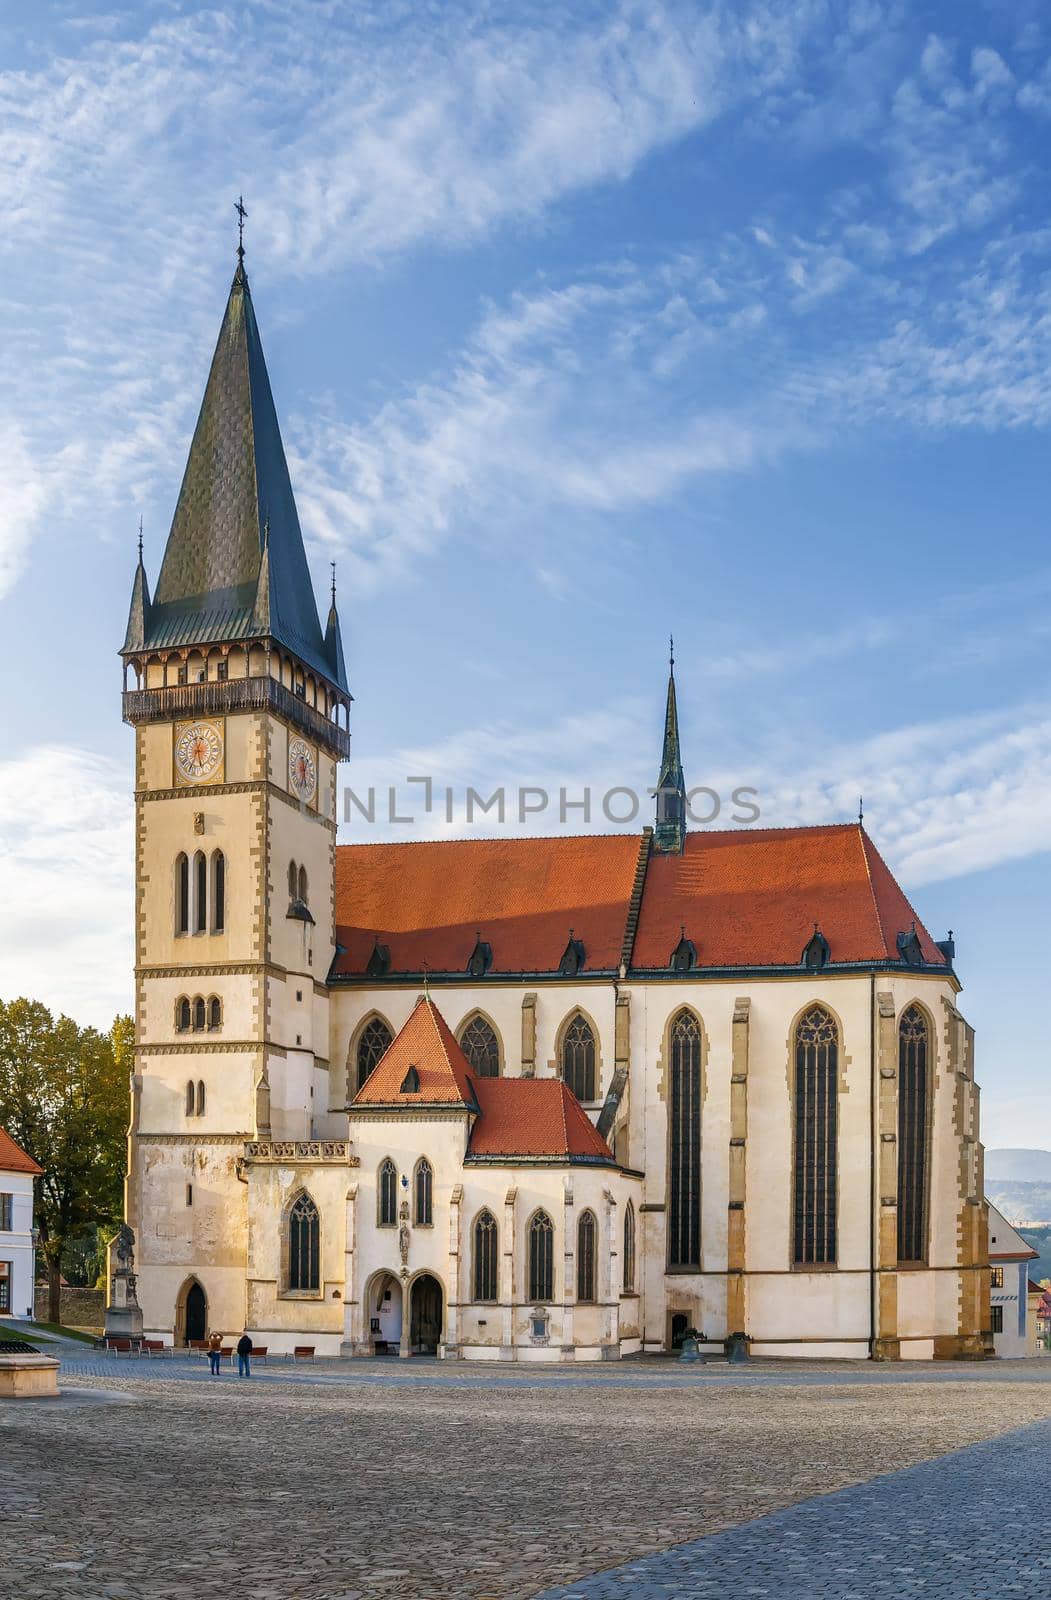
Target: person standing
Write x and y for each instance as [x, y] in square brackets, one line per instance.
[244, 1352]
[215, 1348]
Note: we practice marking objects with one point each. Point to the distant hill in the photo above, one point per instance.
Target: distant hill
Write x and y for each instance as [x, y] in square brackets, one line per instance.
[1040, 1239]
[1018, 1166]
[1023, 1204]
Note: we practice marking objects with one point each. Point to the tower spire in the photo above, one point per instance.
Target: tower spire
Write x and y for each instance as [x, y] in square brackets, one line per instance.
[670, 833]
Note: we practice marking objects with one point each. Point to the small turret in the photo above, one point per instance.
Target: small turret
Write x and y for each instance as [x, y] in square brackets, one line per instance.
[139, 610]
[670, 833]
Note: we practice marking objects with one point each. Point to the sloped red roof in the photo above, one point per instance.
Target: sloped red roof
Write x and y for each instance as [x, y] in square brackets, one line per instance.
[533, 1117]
[429, 901]
[750, 898]
[426, 1043]
[14, 1159]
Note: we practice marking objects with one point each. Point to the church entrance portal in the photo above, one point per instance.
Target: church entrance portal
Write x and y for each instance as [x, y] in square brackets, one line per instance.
[195, 1313]
[385, 1316]
[426, 1315]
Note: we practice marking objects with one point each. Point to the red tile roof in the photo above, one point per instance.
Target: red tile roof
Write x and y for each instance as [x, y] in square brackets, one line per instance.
[533, 1117]
[750, 898]
[14, 1159]
[746, 897]
[429, 901]
[426, 1043]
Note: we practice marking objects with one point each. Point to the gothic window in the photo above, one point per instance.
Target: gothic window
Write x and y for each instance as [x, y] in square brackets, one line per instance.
[814, 1166]
[485, 1242]
[293, 880]
[629, 1248]
[578, 1058]
[198, 1014]
[218, 892]
[684, 1153]
[200, 885]
[480, 1045]
[423, 1194]
[387, 1199]
[541, 1258]
[304, 1241]
[182, 894]
[200, 1097]
[215, 1013]
[304, 886]
[376, 1039]
[912, 1135]
[191, 1098]
[182, 1015]
[586, 1232]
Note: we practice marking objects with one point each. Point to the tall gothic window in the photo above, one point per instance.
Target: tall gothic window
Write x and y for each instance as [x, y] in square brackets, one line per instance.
[200, 1097]
[817, 1073]
[578, 1058]
[293, 880]
[218, 892]
[912, 1135]
[586, 1242]
[480, 1045]
[376, 1038]
[191, 1098]
[541, 1258]
[387, 1205]
[182, 894]
[199, 1014]
[304, 1241]
[629, 1248]
[485, 1243]
[215, 1012]
[684, 1153]
[200, 889]
[423, 1187]
[182, 1015]
[304, 886]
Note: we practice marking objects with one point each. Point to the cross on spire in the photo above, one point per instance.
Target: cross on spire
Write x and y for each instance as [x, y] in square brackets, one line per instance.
[671, 651]
[241, 214]
[140, 536]
[332, 564]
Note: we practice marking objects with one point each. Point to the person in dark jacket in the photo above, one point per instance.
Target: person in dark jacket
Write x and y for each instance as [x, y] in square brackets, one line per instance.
[244, 1352]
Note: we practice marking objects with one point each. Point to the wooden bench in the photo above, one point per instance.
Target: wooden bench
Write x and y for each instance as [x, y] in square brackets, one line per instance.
[258, 1352]
[197, 1347]
[122, 1347]
[157, 1347]
[303, 1352]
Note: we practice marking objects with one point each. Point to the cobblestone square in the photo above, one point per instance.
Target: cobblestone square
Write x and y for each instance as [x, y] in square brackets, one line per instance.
[151, 1480]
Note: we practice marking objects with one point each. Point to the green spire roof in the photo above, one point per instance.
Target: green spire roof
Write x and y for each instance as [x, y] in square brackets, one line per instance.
[670, 832]
[234, 566]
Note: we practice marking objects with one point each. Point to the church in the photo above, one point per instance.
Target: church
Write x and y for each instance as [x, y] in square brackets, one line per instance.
[514, 1099]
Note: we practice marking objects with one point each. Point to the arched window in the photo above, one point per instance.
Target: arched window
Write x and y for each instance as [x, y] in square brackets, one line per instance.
[304, 886]
[304, 1246]
[485, 1244]
[293, 880]
[198, 1013]
[218, 892]
[629, 1249]
[814, 1167]
[182, 1015]
[578, 1058]
[200, 1097]
[586, 1241]
[376, 1039]
[182, 894]
[684, 1143]
[912, 1136]
[387, 1196]
[191, 1098]
[215, 1012]
[200, 888]
[541, 1258]
[480, 1045]
[423, 1194]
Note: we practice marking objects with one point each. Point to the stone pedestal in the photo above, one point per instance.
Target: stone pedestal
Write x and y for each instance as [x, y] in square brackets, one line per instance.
[27, 1376]
[123, 1312]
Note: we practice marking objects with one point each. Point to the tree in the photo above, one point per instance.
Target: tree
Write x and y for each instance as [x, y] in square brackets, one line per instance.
[64, 1099]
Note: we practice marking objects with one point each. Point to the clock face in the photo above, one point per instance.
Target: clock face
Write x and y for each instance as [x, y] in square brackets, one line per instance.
[198, 752]
[302, 769]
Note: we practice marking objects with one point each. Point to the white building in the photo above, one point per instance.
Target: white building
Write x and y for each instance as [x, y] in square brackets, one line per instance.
[17, 1259]
[1013, 1322]
[761, 1035]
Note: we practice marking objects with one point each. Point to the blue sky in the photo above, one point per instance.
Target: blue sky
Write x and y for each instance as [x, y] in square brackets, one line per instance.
[585, 324]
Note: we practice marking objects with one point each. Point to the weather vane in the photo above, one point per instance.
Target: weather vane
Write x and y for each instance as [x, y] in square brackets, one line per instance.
[241, 214]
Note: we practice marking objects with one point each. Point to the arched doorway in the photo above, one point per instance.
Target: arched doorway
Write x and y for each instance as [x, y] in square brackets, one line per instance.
[191, 1313]
[425, 1324]
[385, 1314]
[680, 1322]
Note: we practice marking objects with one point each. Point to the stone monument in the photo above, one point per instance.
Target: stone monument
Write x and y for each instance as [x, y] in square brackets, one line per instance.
[123, 1312]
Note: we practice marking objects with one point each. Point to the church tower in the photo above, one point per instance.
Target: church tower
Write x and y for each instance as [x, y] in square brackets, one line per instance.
[669, 835]
[240, 707]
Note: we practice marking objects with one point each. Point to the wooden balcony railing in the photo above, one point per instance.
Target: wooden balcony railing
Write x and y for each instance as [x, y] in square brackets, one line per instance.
[217, 697]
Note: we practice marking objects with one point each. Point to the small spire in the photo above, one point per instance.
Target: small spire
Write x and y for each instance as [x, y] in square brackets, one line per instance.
[241, 214]
[426, 980]
[670, 832]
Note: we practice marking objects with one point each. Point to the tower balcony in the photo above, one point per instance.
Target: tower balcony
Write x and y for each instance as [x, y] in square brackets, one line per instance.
[220, 697]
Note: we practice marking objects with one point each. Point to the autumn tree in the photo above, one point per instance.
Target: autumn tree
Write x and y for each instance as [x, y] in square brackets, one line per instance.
[64, 1099]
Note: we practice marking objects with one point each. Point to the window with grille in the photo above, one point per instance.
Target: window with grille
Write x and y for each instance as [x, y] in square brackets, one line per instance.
[387, 1204]
[586, 1231]
[684, 1154]
[578, 1058]
[424, 1187]
[485, 1246]
[6, 1212]
[629, 1248]
[304, 1242]
[998, 1318]
[996, 1277]
[912, 1136]
[541, 1258]
[376, 1039]
[814, 1167]
[480, 1045]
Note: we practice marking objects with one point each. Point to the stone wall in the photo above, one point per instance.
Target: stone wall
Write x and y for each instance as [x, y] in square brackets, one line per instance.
[81, 1308]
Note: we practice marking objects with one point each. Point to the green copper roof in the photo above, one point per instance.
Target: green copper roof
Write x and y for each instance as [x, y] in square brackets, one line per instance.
[217, 581]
